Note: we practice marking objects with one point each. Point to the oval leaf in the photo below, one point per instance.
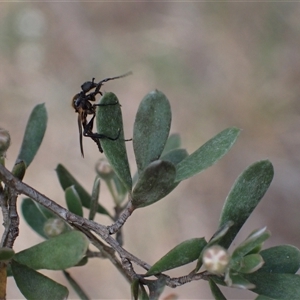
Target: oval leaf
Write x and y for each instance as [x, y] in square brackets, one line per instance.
[66, 180]
[34, 285]
[207, 155]
[135, 289]
[156, 181]
[255, 239]
[236, 280]
[156, 287]
[218, 295]
[33, 216]
[182, 254]
[73, 201]
[250, 263]
[214, 240]
[34, 133]
[244, 196]
[58, 253]
[151, 128]
[222, 230]
[281, 259]
[110, 123]
[173, 142]
[94, 198]
[175, 156]
[276, 285]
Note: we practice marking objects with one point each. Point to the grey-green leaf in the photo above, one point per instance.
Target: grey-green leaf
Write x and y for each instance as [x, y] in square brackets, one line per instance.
[155, 182]
[214, 240]
[156, 287]
[236, 280]
[34, 285]
[255, 239]
[244, 196]
[175, 156]
[250, 263]
[207, 155]
[33, 216]
[276, 285]
[109, 123]
[281, 259]
[135, 289]
[173, 142]
[143, 293]
[218, 295]
[58, 253]
[66, 179]
[34, 133]
[182, 254]
[73, 201]
[94, 198]
[151, 128]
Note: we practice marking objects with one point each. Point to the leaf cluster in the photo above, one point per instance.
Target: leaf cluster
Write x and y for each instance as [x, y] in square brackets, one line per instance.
[161, 164]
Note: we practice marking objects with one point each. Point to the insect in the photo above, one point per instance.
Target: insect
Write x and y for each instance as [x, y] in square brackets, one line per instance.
[82, 105]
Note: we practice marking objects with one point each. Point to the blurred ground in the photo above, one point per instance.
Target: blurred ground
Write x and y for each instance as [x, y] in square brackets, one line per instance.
[220, 65]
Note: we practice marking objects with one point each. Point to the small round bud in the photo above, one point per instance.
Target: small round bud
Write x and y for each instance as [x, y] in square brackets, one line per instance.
[215, 259]
[4, 141]
[54, 227]
[104, 169]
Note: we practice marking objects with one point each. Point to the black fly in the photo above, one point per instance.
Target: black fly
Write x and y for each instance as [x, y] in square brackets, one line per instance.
[82, 105]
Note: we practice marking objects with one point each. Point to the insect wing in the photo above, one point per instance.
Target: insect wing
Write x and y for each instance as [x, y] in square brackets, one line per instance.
[80, 134]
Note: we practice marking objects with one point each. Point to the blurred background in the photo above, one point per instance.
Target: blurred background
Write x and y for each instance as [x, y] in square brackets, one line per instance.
[220, 65]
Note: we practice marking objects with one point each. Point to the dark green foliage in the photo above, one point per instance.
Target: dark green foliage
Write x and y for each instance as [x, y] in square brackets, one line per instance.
[244, 196]
[109, 122]
[207, 155]
[173, 142]
[34, 216]
[182, 254]
[175, 156]
[94, 198]
[276, 285]
[58, 253]
[281, 259]
[34, 285]
[222, 231]
[255, 239]
[135, 286]
[161, 165]
[156, 288]
[73, 201]
[66, 180]
[151, 128]
[155, 182]
[34, 134]
[218, 295]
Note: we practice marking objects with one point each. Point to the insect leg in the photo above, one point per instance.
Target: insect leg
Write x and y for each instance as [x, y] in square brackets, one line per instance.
[93, 135]
[97, 136]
